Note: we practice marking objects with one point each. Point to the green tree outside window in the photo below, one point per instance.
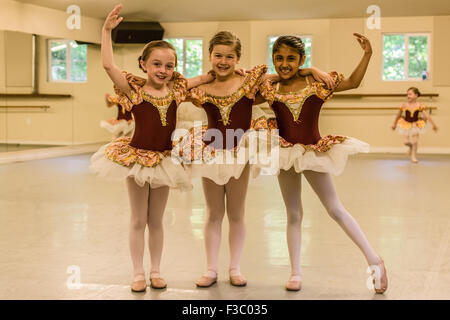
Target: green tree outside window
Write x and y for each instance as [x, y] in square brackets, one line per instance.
[189, 56]
[405, 56]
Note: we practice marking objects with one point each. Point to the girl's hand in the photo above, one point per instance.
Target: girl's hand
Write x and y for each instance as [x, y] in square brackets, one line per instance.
[364, 43]
[113, 19]
[109, 104]
[435, 128]
[209, 77]
[242, 72]
[320, 76]
[393, 127]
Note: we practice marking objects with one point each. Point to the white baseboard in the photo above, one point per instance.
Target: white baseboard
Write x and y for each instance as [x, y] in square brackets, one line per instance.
[45, 153]
[421, 150]
[54, 152]
[48, 143]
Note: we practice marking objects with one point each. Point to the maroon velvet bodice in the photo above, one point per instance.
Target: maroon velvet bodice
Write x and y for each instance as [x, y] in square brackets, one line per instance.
[412, 117]
[238, 122]
[306, 129]
[149, 132]
[123, 115]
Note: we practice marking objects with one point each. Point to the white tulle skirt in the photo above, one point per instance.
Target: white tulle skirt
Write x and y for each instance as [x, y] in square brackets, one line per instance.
[220, 165]
[117, 160]
[328, 155]
[406, 128]
[121, 128]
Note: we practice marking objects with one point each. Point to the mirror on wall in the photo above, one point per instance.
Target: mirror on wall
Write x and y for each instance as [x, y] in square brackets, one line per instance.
[51, 92]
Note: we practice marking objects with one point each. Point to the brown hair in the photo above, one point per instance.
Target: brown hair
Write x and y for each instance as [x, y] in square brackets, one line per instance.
[226, 38]
[415, 90]
[293, 42]
[149, 47]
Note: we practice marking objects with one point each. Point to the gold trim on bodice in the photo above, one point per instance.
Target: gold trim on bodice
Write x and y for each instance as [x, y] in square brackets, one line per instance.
[225, 104]
[162, 104]
[296, 101]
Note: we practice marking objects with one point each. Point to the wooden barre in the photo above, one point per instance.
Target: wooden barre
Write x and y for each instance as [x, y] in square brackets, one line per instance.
[35, 95]
[369, 108]
[25, 107]
[362, 95]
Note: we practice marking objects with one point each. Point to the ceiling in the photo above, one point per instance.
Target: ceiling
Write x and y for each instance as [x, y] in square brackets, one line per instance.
[234, 10]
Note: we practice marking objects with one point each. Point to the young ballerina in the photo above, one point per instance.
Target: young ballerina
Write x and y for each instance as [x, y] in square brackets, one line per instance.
[123, 124]
[228, 103]
[411, 125]
[296, 101]
[144, 160]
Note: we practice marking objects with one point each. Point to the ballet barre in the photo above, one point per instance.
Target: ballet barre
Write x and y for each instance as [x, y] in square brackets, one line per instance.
[25, 107]
[371, 108]
[362, 95]
[35, 95]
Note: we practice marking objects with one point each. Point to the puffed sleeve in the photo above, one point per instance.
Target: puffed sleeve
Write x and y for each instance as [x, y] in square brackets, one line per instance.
[267, 91]
[180, 88]
[135, 84]
[254, 80]
[422, 107]
[325, 93]
[113, 99]
[197, 96]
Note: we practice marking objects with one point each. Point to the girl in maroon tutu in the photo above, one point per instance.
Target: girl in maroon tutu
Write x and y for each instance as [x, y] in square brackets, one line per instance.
[296, 101]
[410, 123]
[123, 123]
[223, 154]
[144, 160]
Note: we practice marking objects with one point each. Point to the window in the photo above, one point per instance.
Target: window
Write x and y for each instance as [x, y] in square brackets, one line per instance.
[189, 55]
[67, 61]
[406, 56]
[306, 40]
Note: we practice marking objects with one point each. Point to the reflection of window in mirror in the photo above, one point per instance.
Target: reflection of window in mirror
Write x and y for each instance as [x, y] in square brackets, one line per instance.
[67, 61]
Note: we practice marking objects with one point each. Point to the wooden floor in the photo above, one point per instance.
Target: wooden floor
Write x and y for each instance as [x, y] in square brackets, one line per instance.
[57, 220]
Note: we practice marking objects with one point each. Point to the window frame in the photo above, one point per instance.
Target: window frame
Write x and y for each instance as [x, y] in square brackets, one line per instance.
[269, 51]
[184, 50]
[68, 62]
[406, 65]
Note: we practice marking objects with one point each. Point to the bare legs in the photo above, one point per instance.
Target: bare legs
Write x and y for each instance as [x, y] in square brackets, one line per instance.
[147, 209]
[412, 143]
[232, 194]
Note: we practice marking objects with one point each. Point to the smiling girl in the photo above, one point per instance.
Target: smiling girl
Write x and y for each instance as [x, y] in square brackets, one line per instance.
[296, 101]
[222, 158]
[411, 124]
[144, 160]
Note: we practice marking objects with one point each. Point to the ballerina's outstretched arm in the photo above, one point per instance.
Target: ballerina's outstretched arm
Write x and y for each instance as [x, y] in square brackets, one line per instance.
[358, 74]
[114, 73]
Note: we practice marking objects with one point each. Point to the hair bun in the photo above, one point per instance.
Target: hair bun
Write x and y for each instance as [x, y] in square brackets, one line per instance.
[139, 62]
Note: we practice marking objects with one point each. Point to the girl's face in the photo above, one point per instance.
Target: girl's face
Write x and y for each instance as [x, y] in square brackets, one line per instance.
[160, 65]
[411, 96]
[223, 60]
[287, 61]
